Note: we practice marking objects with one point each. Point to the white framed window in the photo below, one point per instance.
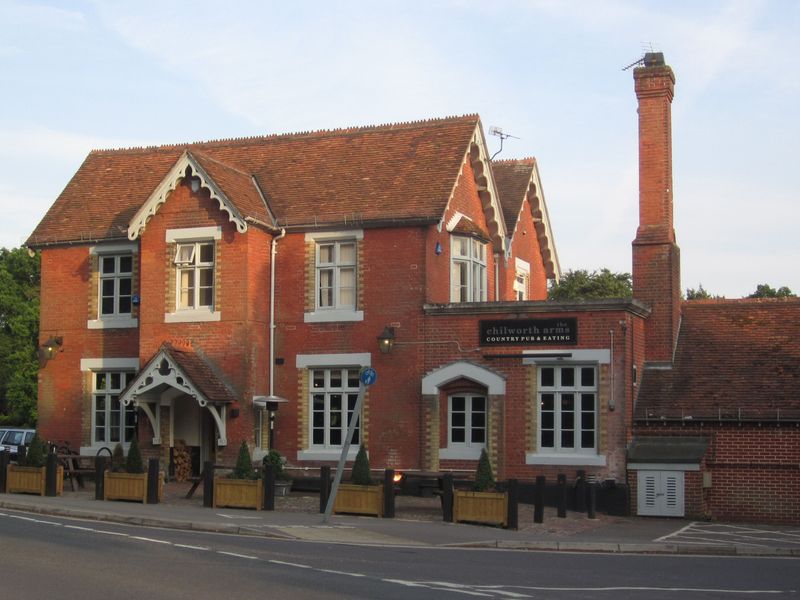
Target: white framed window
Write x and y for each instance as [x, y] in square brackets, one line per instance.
[115, 273]
[522, 276]
[112, 421]
[567, 409]
[195, 256]
[332, 399]
[335, 276]
[467, 416]
[194, 263]
[468, 273]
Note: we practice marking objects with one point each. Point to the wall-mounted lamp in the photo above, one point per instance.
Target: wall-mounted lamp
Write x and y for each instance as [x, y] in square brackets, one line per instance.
[386, 340]
[438, 248]
[49, 349]
[270, 404]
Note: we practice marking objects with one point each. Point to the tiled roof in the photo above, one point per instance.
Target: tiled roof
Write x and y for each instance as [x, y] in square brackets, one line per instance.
[202, 375]
[512, 178]
[735, 359]
[383, 173]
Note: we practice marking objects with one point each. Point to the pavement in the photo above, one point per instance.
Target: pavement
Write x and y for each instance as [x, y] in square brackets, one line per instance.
[418, 522]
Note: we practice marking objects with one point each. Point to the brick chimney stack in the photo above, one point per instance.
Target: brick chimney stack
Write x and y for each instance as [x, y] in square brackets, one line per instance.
[656, 256]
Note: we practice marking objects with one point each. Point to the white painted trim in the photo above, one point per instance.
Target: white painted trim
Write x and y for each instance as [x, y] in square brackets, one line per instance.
[192, 316]
[333, 360]
[109, 364]
[332, 454]
[316, 236]
[334, 315]
[117, 248]
[459, 453]
[112, 323]
[663, 467]
[455, 220]
[495, 384]
[193, 234]
[522, 265]
[590, 460]
[601, 356]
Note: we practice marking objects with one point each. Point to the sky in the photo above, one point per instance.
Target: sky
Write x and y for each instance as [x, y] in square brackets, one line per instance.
[86, 75]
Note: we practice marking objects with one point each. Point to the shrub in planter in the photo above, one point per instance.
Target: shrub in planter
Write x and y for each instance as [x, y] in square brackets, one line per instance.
[283, 483]
[242, 488]
[127, 479]
[483, 505]
[30, 477]
[360, 497]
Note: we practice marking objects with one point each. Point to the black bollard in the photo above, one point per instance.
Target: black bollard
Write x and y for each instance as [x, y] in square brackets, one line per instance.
[269, 487]
[592, 500]
[388, 494]
[208, 484]
[50, 475]
[100, 466]
[580, 492]
[324, 487]
[447, 497]
[538, 499]
[513, 504]
[5, 458]
[562, 495]
[153, 474]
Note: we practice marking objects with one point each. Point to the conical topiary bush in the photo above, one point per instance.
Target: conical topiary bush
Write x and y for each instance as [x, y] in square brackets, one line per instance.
[244, 465]
[118, 459]
[484, 480]
[361, 474]
[133, 464]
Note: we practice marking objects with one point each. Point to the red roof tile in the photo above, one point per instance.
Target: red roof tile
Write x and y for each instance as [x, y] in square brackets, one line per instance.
[512, 178]
[388, 172]
[734, 359]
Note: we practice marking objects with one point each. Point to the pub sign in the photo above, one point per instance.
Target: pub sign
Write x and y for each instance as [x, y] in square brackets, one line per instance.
[544, 332]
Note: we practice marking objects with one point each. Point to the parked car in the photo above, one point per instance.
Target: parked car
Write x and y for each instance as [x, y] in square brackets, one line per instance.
[11, 439]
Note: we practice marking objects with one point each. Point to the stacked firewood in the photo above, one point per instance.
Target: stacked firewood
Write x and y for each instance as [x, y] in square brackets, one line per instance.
[182, 460]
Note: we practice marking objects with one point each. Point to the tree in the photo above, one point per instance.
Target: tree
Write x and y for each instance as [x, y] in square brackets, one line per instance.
[244, 466]
[361, 474]
[484, 479]
[764, 290]
[582, 285]
[19, 336]
[134, 464]
[701, 294]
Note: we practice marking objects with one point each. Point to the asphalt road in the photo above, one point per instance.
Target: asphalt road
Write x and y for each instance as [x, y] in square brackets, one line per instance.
[55, 558]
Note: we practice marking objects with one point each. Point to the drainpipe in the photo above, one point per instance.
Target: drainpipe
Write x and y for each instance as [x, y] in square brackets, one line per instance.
[272, 398]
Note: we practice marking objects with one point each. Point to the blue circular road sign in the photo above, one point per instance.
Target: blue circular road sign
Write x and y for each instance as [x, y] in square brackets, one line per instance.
[368, 375]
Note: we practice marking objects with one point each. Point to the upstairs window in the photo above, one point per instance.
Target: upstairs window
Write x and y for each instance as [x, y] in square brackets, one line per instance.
[468, 275]
[195, 265]
[116, 279]
[336, 275]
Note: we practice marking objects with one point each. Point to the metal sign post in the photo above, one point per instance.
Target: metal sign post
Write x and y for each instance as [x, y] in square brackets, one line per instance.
[366, 377]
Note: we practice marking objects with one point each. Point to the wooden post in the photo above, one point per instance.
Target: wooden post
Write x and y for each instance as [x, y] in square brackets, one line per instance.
[5, 458]
[513, 504]
[388, 494]
[447, 497]
[324, 487]
[269, 487]
[562, 495]
[152, 481]
[100, 466]
[538, 499]
[51, 471]
[208, 484]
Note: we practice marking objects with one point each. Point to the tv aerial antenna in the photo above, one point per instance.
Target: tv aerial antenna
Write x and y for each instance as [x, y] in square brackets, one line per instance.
[498, 132]
[647, 47]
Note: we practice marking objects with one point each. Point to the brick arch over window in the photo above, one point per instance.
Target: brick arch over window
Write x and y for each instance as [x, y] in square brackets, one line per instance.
[495, 384]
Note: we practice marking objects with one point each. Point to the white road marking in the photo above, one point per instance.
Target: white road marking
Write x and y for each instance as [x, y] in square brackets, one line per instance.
[234, 554]
[90, 529]
[236, 516]
[288, 564]
[341, 573]
[674, 533]
[652, 589]
[190, 547]
[145, 539]
[32, 520]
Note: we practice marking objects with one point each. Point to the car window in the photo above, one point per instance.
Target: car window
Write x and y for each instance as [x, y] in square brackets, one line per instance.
[13, 438]
[28, 438]
[2, 434]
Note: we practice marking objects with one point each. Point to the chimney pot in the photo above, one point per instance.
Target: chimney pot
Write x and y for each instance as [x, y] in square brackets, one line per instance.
[654, 59]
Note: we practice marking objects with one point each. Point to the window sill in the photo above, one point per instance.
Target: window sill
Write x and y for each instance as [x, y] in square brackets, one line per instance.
[94, 449]
[331, 454]
[589, 460]
[192, 316]
[460, 453]
[331, 316]
[113, 323]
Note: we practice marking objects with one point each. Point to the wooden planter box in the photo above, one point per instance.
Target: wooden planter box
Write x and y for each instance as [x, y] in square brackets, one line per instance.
[239, 493]
[359, 499]
[129, 486]
[31, 480]
[481, 507]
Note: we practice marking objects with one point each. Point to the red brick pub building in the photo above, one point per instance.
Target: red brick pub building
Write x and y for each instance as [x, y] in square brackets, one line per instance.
[188, 286]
